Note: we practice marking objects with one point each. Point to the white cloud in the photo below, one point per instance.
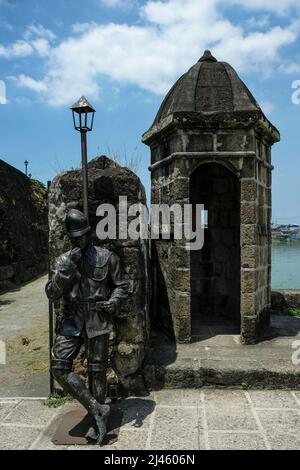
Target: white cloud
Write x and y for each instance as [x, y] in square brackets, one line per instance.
[36, 39]
[42, 46]
[255, 22]
[290, 68]
[28, 82]
[257, 48]
[151, 55]
[83, 27]
[19, 48]
[116, 3]
[37, 30]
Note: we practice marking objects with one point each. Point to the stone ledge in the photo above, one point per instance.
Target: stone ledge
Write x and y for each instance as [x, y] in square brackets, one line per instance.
[285, 298]
[252, 375]
[219, 359]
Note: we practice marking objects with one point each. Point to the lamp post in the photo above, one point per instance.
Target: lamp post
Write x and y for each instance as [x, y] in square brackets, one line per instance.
[83, 119]
[26, 166]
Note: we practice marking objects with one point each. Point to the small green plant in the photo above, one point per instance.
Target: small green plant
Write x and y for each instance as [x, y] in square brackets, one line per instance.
[294, 312]
[245, 385]
[55, 400]
[289, 312]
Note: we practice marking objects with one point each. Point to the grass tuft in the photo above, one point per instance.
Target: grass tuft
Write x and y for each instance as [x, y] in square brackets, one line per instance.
[55, 400]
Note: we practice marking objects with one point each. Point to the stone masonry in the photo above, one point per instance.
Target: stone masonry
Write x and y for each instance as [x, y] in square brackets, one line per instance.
[23, 227]
[211, 143]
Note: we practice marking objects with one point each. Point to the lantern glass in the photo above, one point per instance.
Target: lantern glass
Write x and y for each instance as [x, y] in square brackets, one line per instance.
[83, 115]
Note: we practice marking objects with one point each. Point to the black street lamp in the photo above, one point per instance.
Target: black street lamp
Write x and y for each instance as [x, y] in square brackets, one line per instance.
[83, 118]
[26, 167]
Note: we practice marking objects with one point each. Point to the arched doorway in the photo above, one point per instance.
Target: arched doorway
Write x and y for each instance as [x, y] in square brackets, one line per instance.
[215, 269]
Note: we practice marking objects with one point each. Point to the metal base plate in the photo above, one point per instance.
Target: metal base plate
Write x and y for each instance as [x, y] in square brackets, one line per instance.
[74, 425]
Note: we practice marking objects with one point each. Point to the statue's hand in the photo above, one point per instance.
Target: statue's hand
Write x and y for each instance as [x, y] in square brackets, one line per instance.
[75, 255]
[108, 307]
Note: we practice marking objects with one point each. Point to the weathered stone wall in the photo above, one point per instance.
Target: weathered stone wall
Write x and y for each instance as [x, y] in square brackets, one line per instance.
[245, 152]
[23, 227]
[256, 241]
[108, 181]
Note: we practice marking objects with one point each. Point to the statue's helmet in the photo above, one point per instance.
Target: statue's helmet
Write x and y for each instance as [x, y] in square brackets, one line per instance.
[77, 224]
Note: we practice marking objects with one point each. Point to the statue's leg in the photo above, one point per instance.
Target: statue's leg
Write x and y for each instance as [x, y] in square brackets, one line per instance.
[97, 366]
[97, 355]
[65, 349]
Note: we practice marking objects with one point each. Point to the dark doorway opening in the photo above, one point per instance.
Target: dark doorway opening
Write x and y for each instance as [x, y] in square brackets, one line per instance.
[215, 269]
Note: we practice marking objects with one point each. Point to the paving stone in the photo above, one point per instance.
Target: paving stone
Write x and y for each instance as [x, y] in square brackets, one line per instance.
[272, 399]
[17, 438]
[182, 397]
[227, 341]
[228, 398]
[297, 394]
[32, 412]
[44, 440]
[202, 442]
[286, 441]
[222, 418]
[280, 420]
[236, 441]
[131, 439]
[5, 409]
[201, 418]
[128, 439]
[230, 422]
[175, 429]
[137, 412]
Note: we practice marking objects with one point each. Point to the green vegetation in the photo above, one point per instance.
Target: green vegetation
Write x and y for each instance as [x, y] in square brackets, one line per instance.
[39, 192]
[290, 312]
[245, 385]
[294, 312]
[38, 186]
[55, 400]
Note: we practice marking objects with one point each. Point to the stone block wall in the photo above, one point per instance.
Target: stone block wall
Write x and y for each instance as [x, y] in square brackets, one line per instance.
[256, 241]
[23, 227]
[244, 149]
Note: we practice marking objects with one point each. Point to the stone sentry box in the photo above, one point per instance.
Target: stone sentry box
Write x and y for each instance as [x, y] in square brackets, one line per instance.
[211, 143]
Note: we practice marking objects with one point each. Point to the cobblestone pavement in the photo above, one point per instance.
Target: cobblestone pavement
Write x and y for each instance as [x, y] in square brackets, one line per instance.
[170, 419]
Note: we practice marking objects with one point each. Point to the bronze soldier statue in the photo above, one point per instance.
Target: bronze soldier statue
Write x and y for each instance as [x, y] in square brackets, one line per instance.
[89, 281]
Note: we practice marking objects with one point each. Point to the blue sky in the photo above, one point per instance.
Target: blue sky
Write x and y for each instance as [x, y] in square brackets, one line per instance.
[124, 55]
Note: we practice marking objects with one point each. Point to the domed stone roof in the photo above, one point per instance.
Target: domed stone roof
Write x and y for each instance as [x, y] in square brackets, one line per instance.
[209, 94]
[208, 87]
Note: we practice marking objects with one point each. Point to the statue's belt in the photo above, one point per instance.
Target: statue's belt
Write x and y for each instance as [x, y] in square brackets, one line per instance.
[85, 306]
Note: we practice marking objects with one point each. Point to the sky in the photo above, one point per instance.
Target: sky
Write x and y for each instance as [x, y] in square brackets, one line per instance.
[124, 55]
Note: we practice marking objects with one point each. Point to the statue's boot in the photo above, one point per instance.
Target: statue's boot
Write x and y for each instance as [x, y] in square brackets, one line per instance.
[97, 380]
[74, 385]
[98, 429]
